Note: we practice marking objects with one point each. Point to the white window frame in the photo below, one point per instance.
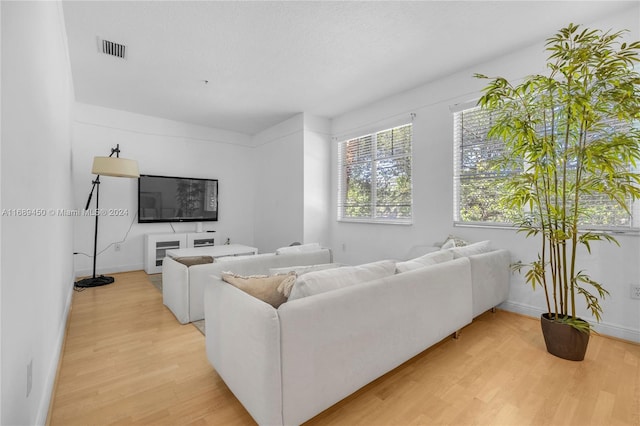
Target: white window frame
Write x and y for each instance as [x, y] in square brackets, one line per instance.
[342, 180]
[634, 225]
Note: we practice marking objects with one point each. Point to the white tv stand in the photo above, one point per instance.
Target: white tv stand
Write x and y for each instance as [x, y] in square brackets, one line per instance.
[156, 246]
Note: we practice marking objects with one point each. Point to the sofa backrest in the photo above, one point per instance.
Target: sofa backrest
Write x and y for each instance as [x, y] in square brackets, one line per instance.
[490, 273]
[261, 263]
[331, 279]
[200, 275]
[335, 342]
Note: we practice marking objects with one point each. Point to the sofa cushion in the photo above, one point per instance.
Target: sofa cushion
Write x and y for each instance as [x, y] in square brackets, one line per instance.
[420, 250]
[241, 257]
[262, 287]
[453, 241]
[472, 249]
[322, 281]
[194, 260]
[286, 286]
[426, 260]
[303, 269]
[303, 248]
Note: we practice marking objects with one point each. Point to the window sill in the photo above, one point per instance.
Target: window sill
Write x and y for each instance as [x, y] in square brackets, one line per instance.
[630, 231]
[378, 221]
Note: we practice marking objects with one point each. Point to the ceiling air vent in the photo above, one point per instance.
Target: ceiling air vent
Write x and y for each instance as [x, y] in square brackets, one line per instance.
[113, 49]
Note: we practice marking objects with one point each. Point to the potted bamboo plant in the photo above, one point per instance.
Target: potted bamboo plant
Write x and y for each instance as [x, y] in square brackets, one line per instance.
[569, 137]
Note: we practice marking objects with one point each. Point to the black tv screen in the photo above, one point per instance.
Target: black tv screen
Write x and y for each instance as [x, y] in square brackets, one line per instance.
[177, 199]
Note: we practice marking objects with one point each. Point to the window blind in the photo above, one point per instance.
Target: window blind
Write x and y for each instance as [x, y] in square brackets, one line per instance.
[374, 177]
[478, 186]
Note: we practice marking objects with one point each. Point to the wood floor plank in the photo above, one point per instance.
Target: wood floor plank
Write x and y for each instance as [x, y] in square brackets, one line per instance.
[127, 361]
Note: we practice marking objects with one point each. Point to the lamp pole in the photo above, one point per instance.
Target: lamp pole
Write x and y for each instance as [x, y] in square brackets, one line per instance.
[101, 280]
[95, 233]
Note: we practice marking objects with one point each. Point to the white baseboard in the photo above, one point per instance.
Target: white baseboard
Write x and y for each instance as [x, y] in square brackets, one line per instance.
[603, 328]
[110, 270]
[50, 381]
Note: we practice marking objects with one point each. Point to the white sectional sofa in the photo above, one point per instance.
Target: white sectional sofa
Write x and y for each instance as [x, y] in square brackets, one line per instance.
[287, 365]
[183, 286]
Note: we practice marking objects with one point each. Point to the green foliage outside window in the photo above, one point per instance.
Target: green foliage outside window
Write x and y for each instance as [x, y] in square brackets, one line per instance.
[483, 193]
[375, 173]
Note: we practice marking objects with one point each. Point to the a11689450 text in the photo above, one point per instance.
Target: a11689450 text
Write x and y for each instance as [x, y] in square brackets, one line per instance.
[36, 212]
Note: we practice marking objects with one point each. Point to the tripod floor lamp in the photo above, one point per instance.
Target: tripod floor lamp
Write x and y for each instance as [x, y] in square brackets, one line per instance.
[105, 166]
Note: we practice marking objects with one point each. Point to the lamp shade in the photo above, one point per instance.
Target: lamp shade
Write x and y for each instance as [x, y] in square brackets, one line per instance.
[115, 166]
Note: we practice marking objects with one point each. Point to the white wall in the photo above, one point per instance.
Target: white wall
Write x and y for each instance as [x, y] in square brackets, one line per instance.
[278, 159]
[292, 182]
[433, 189]
[1, 205]
[317, 180]
[37, 266]
[161, 147]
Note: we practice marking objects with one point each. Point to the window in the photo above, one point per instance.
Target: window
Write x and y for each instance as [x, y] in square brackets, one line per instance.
[374, 175]
[478, 186]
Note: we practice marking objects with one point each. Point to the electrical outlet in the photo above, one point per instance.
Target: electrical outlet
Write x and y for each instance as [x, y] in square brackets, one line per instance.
[635, 291]
[29, 377]
[117, 246]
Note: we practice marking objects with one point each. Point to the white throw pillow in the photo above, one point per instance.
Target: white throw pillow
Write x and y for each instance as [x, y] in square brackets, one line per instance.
[331, 279]
[303, 248]
[453, 241]
[471, 249]
[448, 244]
[420, 250]
[426, 260]
[286, 287]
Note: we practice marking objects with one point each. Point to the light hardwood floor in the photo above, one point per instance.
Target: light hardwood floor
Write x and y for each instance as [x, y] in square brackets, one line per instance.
[128, 361]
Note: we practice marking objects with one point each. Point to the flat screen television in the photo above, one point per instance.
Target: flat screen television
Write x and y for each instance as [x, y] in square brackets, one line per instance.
[177, 199]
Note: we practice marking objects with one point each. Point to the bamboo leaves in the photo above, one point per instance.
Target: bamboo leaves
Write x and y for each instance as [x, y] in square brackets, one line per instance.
[574, 135]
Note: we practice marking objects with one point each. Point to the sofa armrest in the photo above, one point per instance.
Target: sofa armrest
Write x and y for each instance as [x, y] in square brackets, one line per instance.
[490, 279]
[175, 289]
[334, 343]
[243, 345]
[200, 276]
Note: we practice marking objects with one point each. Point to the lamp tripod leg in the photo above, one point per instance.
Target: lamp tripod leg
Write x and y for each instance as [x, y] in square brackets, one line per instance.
[101, 280]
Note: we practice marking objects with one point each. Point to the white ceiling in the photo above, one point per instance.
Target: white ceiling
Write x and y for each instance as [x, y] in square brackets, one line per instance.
[266, 61]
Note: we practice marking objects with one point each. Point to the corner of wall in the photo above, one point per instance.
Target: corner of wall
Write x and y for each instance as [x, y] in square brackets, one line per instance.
[317, 124]
[278, 189]
[276, 132]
